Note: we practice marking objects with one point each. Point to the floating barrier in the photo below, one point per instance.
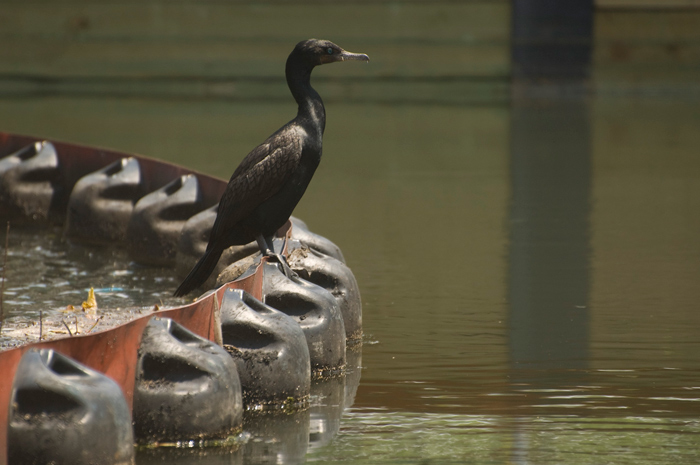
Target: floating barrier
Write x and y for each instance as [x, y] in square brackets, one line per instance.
[193, 242]
[334, 276]
[276, 331]
[64, 412]
[316, 312]
[29, 182]
[156, 223]
[269, 349]
[101, 203]
[187, 387]
[314, 241]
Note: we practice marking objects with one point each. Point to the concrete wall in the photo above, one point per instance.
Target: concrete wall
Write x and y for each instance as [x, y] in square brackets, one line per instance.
[233, 48]
[442, 51]
[647, 49]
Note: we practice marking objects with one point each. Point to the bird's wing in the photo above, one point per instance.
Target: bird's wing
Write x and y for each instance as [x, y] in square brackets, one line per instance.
[259, 176]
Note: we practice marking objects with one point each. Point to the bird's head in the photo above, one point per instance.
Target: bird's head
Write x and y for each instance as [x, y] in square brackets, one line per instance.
[319, 52]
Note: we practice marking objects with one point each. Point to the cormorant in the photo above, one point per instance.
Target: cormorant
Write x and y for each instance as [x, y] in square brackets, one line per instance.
[271, 179]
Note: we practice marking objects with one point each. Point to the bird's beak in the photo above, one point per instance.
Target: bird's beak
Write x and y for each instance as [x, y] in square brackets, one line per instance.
[346, 56]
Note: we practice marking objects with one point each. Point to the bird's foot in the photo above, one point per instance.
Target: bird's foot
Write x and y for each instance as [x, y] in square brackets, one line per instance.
[279, 258]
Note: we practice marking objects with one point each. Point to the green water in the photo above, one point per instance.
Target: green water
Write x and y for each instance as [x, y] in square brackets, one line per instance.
[528, 271]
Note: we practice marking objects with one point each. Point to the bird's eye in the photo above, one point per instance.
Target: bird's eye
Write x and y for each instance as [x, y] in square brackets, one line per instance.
[330, 51]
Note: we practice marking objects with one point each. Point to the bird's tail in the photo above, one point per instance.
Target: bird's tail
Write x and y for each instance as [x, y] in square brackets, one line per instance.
[200, 272]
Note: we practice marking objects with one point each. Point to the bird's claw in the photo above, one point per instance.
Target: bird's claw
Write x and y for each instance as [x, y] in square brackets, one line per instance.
[288, 272]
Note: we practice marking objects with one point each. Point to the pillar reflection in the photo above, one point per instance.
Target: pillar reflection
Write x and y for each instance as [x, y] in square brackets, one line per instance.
[549, 279]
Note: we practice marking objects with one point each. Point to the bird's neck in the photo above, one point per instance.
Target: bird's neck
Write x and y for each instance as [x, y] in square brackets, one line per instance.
[311, 110]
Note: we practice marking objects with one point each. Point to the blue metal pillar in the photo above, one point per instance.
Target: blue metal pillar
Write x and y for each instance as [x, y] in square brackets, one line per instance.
[551, 39]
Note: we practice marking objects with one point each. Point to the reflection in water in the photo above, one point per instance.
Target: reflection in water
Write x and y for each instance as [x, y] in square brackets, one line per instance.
[328, 399]
[178, 456]
[549, 249]
[47, 274]
[279, 438]
[370, 436]
[352, 375]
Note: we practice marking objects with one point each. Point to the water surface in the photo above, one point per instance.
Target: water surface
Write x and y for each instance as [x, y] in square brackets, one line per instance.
[528, 272]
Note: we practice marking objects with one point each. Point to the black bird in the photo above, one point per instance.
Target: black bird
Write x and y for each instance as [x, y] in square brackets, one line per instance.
[272, 178]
